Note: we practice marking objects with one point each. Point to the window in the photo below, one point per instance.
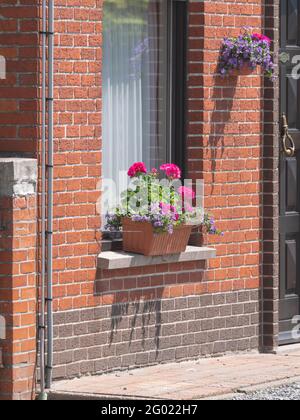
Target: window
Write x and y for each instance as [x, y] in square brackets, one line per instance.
[143, 83]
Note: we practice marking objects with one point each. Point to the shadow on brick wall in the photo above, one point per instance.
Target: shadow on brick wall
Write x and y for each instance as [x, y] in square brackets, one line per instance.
[6, 298]
[142, 314]
[223, 97]
[139, 301]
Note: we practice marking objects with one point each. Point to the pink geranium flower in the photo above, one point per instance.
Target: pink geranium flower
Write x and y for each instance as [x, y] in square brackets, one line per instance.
[186, 193]
[137, 169]
[166, 208]
[172, 171]
[261, 37]
[188, 209]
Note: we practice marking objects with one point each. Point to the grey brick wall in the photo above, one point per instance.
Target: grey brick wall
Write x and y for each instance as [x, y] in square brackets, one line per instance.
[137, 334]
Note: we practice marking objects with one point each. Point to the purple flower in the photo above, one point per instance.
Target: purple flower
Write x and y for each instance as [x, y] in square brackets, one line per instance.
[158, 224]
[170, 229]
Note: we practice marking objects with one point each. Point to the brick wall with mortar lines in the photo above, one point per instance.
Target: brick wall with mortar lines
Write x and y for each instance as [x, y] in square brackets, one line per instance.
[224, 148]
[271, 154]
[77, 150]
[137, 334]
[19, 108]
[225, 137]
[18, 296]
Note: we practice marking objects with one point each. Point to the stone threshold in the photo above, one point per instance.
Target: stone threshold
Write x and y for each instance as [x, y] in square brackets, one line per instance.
[113, 260]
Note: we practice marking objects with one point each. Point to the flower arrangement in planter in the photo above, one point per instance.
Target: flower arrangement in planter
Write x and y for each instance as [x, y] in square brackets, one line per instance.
[156, 215]
[246, 52]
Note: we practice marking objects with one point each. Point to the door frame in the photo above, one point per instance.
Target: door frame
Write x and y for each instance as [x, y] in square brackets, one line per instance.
[289, 303]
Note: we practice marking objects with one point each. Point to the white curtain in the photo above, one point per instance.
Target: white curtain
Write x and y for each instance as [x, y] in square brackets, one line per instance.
[134, 84]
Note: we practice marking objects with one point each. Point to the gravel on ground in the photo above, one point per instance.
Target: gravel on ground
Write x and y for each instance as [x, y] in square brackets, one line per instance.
[289, 392]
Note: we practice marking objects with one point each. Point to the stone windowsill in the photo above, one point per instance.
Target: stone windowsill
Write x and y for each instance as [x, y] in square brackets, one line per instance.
[113, 260]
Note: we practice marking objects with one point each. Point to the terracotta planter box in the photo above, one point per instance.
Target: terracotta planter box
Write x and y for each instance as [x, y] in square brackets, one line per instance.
[139, 238]
[197, 237]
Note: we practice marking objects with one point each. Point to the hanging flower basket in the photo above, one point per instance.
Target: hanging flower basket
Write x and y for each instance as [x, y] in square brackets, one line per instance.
[140, 238]
[242, 55]
[242, 71]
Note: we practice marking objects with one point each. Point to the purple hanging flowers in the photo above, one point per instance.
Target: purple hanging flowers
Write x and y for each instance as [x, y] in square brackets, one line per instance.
[247, 51]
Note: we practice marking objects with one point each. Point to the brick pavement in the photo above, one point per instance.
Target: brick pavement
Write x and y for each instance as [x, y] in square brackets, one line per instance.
[202, 379]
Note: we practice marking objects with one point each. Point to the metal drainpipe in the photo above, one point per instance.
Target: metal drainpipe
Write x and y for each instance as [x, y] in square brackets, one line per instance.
[50, 98]
[43, 395]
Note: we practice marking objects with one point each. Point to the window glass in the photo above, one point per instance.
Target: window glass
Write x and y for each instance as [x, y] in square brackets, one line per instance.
[135, 85]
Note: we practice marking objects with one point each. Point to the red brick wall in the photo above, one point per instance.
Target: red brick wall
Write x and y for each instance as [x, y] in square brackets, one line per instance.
[224, 147]
[78, 157]
[19, 91]
[18, 296]
[224, 143]
[225, 137]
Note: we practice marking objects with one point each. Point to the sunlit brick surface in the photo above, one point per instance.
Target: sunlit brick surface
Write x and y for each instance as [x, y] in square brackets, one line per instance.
[228, 145]
[18, 296]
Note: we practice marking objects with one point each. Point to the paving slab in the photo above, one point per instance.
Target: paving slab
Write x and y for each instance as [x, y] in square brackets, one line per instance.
[194, 380]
